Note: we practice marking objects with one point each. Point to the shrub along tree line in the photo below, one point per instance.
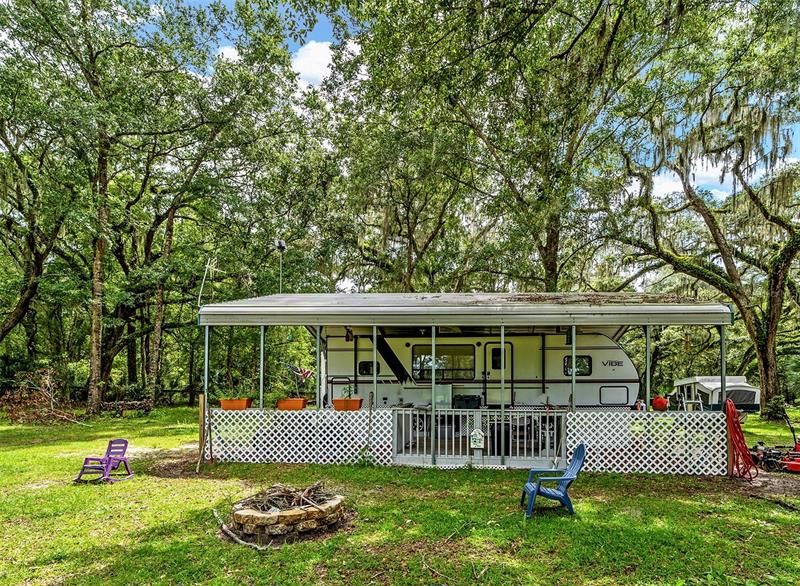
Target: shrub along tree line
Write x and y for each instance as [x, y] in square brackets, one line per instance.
[151, 152]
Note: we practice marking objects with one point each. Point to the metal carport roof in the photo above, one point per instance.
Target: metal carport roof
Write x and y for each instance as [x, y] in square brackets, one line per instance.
[465, 309]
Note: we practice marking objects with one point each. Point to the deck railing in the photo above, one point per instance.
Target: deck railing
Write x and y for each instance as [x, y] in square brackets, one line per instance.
[516, 438]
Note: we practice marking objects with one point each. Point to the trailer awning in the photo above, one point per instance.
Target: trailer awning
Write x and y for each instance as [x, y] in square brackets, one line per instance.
[466, 309]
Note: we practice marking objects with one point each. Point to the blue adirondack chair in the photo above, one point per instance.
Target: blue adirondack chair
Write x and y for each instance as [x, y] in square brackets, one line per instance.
[561, 492]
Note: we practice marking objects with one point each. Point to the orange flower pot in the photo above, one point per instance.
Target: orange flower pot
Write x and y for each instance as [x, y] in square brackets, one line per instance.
[347, 404]
[233, 404]
[292, 404]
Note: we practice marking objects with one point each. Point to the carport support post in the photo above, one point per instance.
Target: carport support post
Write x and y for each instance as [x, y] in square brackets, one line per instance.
[723, 395]
[205, 365]
[204, 403]
[433, 395]
[503, 395]
[374, 363]
[573, 370]
[261, 368]
[723, 390]
[647, 356]
[317, 378]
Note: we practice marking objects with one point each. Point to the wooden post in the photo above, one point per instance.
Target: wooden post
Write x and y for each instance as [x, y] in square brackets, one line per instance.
[202, 421]
[730, 450]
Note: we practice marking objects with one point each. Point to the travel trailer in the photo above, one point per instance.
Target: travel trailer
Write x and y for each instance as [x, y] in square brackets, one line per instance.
[705, 393]
[470, 367]
[454, 379]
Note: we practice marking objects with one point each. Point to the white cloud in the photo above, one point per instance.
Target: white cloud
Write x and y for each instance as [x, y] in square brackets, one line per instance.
[704, 176]
[228, 53]
[312, 62]
[719, 193]
[666, 183]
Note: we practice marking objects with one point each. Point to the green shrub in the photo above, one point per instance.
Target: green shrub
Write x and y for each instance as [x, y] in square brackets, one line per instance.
[774, 410]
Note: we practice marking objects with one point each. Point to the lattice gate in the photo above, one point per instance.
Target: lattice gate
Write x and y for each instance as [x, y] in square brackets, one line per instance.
[315, 437]
[665, 443]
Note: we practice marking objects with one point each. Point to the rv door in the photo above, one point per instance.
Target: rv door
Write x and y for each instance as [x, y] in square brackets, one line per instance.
[492, 361]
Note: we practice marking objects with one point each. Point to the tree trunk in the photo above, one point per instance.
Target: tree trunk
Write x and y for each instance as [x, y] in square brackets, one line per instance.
[30, 326]
[156, 338]
[28, 292]
[767, 356]
[765, 338]
[133, 375]
[96, 338]
[229, 358]
[548, 252]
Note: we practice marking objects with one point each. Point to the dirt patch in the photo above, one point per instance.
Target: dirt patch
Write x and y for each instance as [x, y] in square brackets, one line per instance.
[774, 487]
[767, 484]
[773, 484]
[175, 463]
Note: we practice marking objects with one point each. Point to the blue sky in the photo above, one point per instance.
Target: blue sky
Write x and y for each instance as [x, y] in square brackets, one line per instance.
[311, 56]
[322, 33]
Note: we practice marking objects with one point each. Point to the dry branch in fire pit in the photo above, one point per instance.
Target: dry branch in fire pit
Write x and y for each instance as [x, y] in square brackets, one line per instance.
[282, 497]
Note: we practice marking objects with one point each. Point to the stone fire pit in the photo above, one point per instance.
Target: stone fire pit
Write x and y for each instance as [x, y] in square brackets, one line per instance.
[253, 525]
[282, 513]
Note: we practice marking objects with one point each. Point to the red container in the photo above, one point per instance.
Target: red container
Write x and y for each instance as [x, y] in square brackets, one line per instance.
[347, 404]
[234, 404]
[660, 403]
[292, 404]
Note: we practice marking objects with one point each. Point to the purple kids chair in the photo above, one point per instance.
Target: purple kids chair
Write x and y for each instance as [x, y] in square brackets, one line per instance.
[115, 455]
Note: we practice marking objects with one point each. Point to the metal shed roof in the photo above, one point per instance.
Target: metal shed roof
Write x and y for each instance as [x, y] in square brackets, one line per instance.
[465, 309]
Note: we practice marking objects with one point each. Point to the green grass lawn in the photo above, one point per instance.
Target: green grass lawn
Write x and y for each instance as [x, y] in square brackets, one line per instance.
[412, 525]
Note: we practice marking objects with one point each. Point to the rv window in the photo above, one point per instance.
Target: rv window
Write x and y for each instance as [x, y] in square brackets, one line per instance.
[365, 368]
[584, 365]
[496, 359]
[453, 362]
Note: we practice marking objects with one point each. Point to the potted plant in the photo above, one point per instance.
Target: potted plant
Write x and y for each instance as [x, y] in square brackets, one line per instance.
[235, 403]
[296, 402]
[660, 402]
[347, 403]
[292, 404]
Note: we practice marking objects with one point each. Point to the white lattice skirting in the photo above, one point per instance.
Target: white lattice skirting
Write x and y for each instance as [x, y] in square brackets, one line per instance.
[318, 437]
[663, 443]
